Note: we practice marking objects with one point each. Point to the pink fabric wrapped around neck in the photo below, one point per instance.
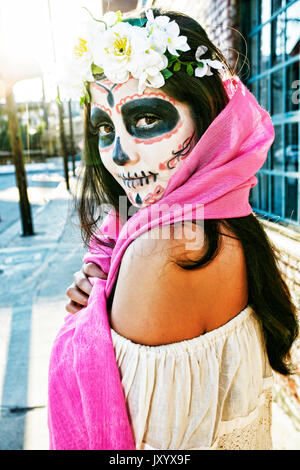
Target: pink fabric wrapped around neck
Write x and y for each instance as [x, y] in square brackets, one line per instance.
[86, 403]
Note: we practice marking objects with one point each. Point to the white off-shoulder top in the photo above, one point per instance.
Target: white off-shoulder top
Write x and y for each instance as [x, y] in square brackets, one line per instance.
[209, 392]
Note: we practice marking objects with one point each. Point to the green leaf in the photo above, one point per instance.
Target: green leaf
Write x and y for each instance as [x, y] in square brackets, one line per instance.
[200, 64]
[171, 59]
[96, 69]
[166, 73]
[85, 98]
[136, 21]
[177, 66]
[119, 15]
[189, 69]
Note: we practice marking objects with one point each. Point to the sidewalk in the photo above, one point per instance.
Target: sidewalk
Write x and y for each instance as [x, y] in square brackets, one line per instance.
[34, 274]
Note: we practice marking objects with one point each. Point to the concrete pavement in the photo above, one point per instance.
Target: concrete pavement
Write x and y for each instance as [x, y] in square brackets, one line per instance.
[35, 272]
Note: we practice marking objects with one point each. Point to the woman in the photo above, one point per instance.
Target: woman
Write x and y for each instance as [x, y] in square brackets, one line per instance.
[196, 331]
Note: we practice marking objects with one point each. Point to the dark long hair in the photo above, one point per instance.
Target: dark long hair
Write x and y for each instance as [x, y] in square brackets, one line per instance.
[269, 295]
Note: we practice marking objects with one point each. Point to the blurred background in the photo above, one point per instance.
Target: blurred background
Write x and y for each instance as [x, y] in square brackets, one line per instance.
[40, 158]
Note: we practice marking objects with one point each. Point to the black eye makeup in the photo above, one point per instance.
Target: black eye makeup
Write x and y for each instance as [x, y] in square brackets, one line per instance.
[102, 125]
[149, 117]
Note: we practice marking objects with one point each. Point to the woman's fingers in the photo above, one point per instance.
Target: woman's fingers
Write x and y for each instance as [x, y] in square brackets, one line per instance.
[79, 291]
[81, 281]
[92, 270]
[76, 295]
[73, 307]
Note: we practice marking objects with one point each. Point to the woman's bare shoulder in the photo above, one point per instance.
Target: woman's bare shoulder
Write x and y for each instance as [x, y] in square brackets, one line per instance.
[158, 302]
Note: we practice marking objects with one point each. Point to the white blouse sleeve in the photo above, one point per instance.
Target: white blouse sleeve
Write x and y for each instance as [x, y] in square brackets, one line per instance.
[211, 392]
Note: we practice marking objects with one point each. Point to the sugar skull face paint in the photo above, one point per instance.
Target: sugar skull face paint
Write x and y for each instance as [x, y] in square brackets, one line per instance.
[143, 139]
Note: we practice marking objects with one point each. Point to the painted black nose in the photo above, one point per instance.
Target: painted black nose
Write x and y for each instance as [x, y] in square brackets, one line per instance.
[119, 156]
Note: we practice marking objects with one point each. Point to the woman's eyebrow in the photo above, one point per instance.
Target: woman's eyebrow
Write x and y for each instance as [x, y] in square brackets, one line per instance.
[137, 97]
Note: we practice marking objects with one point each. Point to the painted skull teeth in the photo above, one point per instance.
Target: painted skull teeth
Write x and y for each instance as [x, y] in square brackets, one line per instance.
[133, 181]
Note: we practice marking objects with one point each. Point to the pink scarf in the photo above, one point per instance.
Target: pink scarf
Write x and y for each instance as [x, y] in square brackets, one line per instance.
[86, 403]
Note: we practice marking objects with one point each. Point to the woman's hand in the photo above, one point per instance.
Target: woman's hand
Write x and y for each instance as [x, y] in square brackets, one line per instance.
[79, 291]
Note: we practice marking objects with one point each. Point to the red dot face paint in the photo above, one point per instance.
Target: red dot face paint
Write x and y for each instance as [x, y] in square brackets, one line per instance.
[153, 130]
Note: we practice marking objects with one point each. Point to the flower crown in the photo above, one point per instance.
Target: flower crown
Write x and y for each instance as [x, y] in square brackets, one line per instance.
[145, 49]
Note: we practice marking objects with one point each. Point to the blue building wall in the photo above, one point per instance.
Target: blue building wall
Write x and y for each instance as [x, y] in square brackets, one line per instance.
[271, 28]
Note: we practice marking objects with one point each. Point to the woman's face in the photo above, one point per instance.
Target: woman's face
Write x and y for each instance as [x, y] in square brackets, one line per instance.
[143, 139]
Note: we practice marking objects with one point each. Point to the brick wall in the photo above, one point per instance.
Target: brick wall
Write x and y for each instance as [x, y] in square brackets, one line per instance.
[115, 5]
[286, 243]
[219, 18]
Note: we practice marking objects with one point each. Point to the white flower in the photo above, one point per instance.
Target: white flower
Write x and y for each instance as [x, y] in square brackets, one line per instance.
[200, 51]
[207, 63]
[75, 69]
[70, 78]
[113, 52]
[216, 64]
[122, 50]
[83, 50]
[164, 34]
[112, 17]
[150, 73]
[88, 38]
[147, 80]
[201, 71]
[83, 59]
[125, 50]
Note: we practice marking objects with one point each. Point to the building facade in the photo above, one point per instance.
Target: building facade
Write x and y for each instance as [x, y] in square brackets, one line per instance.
[260, 38]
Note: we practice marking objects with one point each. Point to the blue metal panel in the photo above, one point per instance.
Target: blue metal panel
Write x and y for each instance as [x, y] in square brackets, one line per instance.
[268, 175]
